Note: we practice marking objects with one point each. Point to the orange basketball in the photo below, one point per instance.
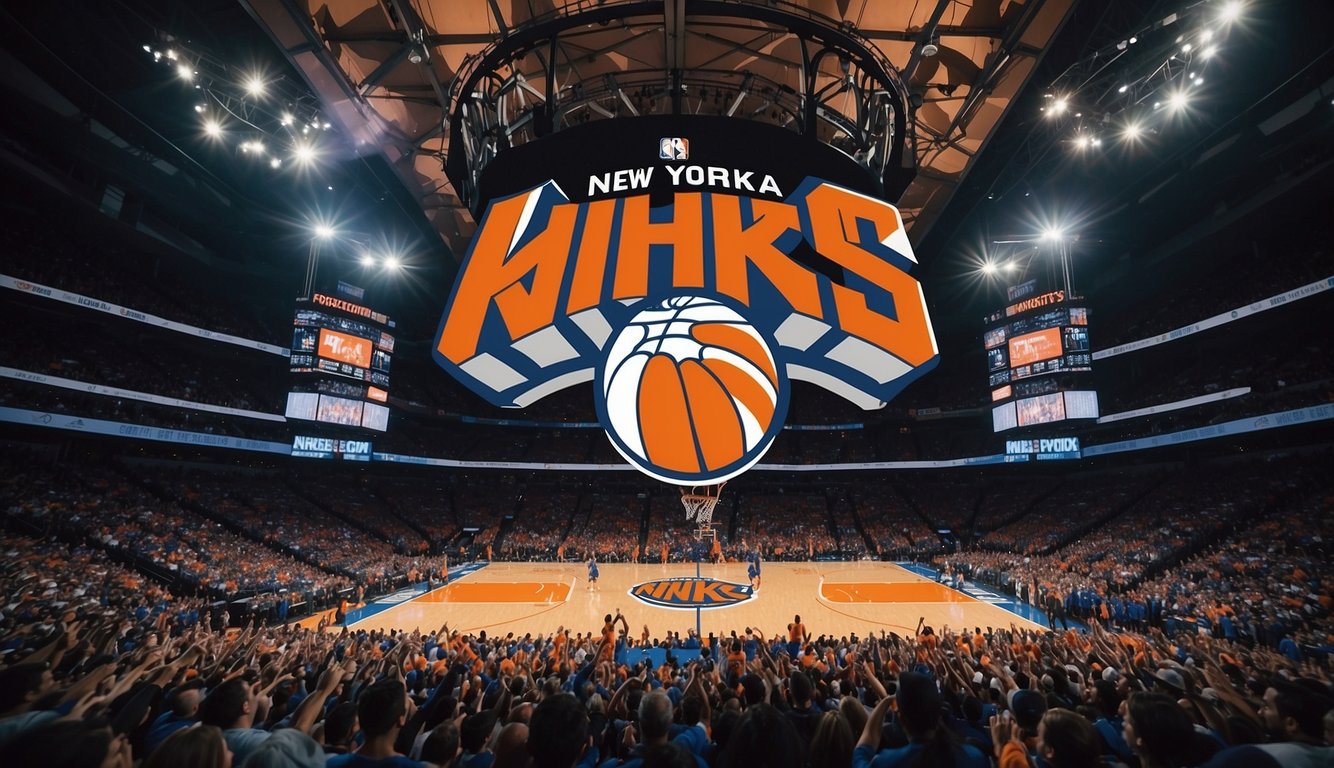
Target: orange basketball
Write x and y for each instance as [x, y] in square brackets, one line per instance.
[691, 391]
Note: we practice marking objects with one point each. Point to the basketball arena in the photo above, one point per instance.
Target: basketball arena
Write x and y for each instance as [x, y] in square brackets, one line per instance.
[724, 383]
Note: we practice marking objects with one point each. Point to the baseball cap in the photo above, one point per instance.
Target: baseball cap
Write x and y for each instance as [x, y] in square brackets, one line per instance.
[1172, 679]
[1028, 708]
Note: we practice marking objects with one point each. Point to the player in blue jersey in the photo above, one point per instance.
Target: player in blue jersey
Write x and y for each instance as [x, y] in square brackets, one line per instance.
[592, 572]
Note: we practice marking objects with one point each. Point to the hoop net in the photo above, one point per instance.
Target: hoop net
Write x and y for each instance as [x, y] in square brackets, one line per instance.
[699, 502]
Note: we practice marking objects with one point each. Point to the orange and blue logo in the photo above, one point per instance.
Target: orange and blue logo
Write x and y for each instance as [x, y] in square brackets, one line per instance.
[690, 592]
[690, 319]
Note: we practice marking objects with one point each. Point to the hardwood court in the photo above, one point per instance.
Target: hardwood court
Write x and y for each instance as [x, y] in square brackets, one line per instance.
[831, 597]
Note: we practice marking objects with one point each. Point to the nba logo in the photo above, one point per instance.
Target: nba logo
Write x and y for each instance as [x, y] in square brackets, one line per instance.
[674, 149]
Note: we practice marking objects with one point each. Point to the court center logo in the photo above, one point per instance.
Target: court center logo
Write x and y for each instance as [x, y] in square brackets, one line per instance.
[689, 592]
[690, 319]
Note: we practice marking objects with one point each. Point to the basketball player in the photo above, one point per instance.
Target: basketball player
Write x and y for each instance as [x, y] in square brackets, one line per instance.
[753, 570]
[592, 573]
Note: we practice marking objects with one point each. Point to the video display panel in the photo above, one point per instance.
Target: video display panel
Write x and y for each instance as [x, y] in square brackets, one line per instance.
[341, 357]
[1004, 417]
[375, 417]
[339, 410]
[1081, 404]
[302, 405]
[1033, 347]
[1043, 409]
[345, 348]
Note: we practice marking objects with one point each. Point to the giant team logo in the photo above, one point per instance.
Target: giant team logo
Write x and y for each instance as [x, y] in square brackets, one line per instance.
[690, 319]
[690, 592]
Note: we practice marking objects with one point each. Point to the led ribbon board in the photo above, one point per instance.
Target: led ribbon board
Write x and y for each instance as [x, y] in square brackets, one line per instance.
[690, 268]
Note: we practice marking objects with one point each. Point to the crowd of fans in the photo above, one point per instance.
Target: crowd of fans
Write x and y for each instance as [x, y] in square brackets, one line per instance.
[1236, 550]
[99, 674]
[1203, 597]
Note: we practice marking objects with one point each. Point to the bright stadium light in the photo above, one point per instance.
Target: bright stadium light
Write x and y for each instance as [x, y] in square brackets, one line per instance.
[1011, 266]
[254, 85]
[1058, 107]
[213, 128]
[1177, 101]
[287, 118]
[392, 262]
[1209, 51]
[185, 72]
[304, 154]
[367, 260]
[324, 231]
[171, 55]
[1052, 234]
[275, 163]
[1132, 132]
[1231, 12]
[988, 268]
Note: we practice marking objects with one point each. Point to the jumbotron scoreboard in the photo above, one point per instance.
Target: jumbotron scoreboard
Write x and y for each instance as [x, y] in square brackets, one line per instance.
[340, 360]
[1039, 360]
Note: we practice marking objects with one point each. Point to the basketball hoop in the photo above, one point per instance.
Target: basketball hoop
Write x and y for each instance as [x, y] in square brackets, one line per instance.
[699, 502]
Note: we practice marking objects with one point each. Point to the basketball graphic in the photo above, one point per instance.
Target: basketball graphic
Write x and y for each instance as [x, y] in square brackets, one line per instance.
[690, 391]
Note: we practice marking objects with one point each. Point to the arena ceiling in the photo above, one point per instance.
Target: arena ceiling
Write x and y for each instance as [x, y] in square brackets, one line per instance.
[405, 76]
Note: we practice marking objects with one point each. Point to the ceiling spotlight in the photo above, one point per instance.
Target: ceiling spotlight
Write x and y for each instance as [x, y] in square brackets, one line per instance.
[1010, 266]
[1052, 233]
[1132, 131]
[1134, 40]
[1231, 12]
[199, 107]
[1198, 81]
[367, 260]
[185, 73]
[392, 262]
[988, 268]
[171, 54]
[1057, 107]
[255, 86]
[275, 162]
[1177, 101]
[305, 154]
[1186, 48]
[1083, 142]
[932, 47]
[213, 128]
[327, 126]
[1122, 89]
[287, 118]
[1209, 51]
[148, 49]
[157, 55]
[1206, 36]
[324, 231]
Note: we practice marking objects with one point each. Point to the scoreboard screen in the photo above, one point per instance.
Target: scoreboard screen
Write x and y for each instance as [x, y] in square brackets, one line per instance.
[340, 364]
[1031, 346]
